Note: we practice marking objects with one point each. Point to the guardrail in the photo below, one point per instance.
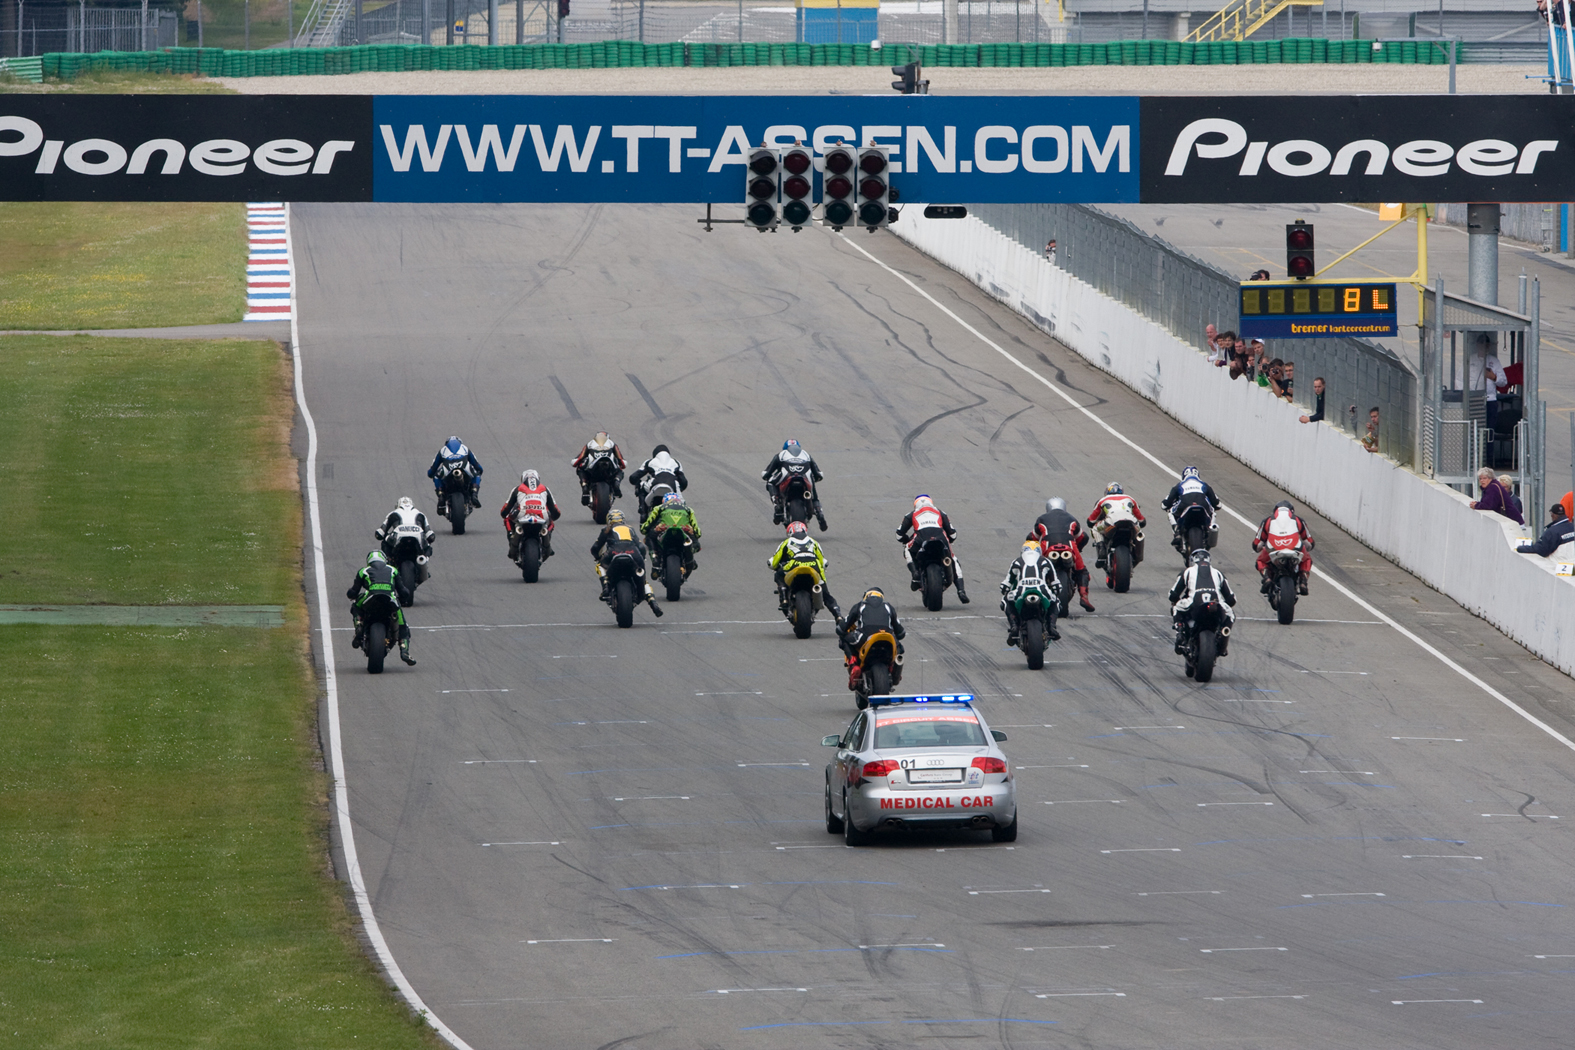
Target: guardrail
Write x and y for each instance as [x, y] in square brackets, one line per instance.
[31, 69]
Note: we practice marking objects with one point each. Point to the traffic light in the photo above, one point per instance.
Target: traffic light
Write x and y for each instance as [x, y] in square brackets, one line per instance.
[910, 84]
[798, 183]
[1299, 250]
[563, 9]
[762, 185]
[874, 187]
[837, 189]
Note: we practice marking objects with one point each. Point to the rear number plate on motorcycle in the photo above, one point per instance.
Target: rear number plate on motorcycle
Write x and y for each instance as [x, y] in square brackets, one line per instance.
[935, 776]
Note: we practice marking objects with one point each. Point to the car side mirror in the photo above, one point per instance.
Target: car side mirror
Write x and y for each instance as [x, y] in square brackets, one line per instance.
[831, 741]
[1000, 737]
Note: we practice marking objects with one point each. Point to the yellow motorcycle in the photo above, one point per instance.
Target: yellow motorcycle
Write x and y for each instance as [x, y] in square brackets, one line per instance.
[801, 596]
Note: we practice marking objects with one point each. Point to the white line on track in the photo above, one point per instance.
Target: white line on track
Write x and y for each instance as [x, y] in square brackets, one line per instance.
[729, 991]
[554, 843]
[1062, 995]
[1166, 893]
[1553, 956]
[1062, 947]
[1342, 895]
[1235, 804]
[336, 757]
[976, 893]
[1408, 1002]
[1140, 450]
[1145, 849]
[576, 940]
[1440, 856]
[1208, 951]
[1223, 998]
[1446, 739]
[1347, 772]
[1069, 801]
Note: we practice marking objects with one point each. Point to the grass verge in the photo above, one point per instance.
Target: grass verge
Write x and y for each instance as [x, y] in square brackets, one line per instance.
[107, 82]
[92, 265]
[161, 811]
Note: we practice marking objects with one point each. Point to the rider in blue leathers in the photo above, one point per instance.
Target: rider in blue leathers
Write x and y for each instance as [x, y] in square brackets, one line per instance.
[454, 450]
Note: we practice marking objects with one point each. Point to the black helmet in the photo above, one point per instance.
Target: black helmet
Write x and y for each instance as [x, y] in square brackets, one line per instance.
[658, 450]
[1200, 556]
[1285, 504]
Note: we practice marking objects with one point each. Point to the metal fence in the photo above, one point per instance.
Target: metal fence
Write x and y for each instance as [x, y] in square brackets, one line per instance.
[55, 28]
[1182, 294]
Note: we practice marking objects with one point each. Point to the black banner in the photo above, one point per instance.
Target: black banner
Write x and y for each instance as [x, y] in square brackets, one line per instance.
[1366, 148]
[185, 148]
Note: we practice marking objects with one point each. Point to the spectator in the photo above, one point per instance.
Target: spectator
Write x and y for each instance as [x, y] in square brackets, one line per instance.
[1289, 381]
[1514, 500]
[1495, 497]
[1559, 532]
[1050, 251]
[1568, 503]
[1217, 355]
[1260, 275]
[1370, 442]
[1270, 378]
[1484, 374]
[1317, 414]
[1240, 362]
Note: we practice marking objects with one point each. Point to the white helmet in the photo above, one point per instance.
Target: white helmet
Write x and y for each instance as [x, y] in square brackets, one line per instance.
[405, 503]
[923, 501]
[530, 479]
[1054, 503]
[601, 440]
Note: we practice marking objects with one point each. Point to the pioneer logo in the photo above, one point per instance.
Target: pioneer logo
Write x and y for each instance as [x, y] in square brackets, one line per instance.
[1216, 138]
[22, 136]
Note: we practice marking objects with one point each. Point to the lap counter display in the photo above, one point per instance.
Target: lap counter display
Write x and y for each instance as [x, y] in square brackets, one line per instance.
[1316, 310]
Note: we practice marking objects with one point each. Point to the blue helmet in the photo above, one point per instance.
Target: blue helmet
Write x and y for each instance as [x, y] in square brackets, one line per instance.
[791, 445]
[454, 444]
[673, 499]
[1188, 472]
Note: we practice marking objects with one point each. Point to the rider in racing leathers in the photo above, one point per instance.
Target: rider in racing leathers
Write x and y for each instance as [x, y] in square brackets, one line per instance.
[1031, 570]
[378, 577]
[617, 538]
[799, 546]
[661, 467]
[673, 512]
[1281, 524]
[531, 494]
[1058, 527]
[924, 522]
[599, 447]
[405, 514]
[1190, 491]
[455, 451]
[1200, 576]
[1114, 505]
[869, 614]
[791, 456]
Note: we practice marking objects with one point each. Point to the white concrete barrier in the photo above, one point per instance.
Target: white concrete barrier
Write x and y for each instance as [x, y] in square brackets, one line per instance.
[1426, 528]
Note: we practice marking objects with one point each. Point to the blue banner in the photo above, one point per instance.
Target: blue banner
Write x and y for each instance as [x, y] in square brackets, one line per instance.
[693, 148]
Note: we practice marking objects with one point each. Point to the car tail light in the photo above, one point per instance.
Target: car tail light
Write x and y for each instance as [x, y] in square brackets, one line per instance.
[988, 764]
[879, 768]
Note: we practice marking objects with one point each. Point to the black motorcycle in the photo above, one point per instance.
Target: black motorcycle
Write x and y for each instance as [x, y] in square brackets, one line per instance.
[626, 586]
[1195, 530]
[379, 630]
[403, 547]
[933, 558]
[1065, 564]
[654, 490]
[670, 559]
[1284, 570]
[796, 490]
[454, 501]
[1123, 549]
[1206, 631]
[531, 531]
[601, 475]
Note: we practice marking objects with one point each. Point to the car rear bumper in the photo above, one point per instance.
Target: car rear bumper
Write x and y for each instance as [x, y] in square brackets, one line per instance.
[990, 805]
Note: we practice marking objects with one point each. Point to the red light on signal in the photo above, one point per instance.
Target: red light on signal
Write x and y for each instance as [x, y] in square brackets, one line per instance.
[872, 163]
[838, 187]
[762, 189]
[796, 162]
[872, 187]
[1300, 266]
[839, 163]
[1299, 240]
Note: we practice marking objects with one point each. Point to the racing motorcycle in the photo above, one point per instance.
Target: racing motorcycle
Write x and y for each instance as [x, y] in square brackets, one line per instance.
[1037, 608]
[796, 490]
[654, 490]
[454, 502]
[402, 547]
[625, 585]
[933, 558]
[801, 597]
[1060, 555]
[1285, 562]
[380, 630]
[1122, 550]
[601, 474]
[875, 669]
[531, 527]
[1206, 629]
[670, 557]
[1196, 530]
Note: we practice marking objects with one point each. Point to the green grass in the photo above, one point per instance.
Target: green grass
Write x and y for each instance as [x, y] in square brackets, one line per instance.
[161, 812]
[106, 82]
[96, 265]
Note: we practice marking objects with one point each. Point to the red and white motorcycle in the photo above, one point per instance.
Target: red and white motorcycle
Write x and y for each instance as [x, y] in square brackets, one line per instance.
[530, 537]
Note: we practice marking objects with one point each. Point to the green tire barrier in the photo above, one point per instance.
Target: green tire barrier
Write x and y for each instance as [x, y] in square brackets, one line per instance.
[400, 58]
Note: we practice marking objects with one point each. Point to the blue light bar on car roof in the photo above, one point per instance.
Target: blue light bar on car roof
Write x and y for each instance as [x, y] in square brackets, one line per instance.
[925, 698]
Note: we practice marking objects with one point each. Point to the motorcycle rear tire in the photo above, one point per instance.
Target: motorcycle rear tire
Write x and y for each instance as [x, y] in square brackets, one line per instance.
[1032, 641]
[407, 588]
[457, 509]
[1287, 605]
[934, 587]
[673, 576]
[1197, 540]
[530, 558]
[623, 603]
[878, 678]
[601, 502]
[803, 614]
[376, 645]
[1065, 603]
[1121, 568]
[797, 510]
[1204, 669]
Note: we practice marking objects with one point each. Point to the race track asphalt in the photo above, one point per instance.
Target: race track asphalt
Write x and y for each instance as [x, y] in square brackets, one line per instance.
[577, 836]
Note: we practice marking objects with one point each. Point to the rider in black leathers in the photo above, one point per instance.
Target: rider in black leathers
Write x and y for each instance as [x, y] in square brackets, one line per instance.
[1187, 492]
[871, 613]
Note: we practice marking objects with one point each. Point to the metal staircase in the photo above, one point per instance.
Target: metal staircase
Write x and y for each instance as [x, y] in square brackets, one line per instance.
[323, 22]
[1239, 19]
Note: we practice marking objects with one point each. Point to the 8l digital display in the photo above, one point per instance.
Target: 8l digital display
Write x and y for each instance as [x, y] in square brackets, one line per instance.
[1308, 310]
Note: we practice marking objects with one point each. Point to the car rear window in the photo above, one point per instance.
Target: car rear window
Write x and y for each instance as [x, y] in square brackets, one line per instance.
[957, 730]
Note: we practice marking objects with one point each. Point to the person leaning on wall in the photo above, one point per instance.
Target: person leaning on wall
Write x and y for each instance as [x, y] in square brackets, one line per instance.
[1560, 531]
[1496, 497]
[1317, 412]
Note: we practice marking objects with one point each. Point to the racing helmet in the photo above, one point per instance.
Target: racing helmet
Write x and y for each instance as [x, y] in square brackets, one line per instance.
[530, 479]
[658, 450]
[873, 592]
[453, 444]
[1286, 504]
[1030, 544]
[375, 558]
[1189, 472]
[792, 446]
[1054, 503]
[674, 500]
[922, 500]
[797, 530]
[405, 503]
[615, 517]
[601, 440]
[1200, 556]
[1114, 489]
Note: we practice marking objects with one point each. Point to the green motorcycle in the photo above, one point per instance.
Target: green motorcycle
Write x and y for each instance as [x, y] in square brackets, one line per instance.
[1037, 603]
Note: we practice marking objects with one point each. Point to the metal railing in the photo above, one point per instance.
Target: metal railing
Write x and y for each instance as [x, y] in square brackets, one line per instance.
[78, 29]
[1183, 294]
[1239, 19]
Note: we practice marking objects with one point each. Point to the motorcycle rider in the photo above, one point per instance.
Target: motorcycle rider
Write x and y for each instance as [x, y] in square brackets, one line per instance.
[869, 614]
[673, 512]
[792, 455]
[616, 538]
[1115, 503]
[530, 492]
[1030, 570]
[1200, 576]
[1283, 521]
[455, 451]
[599, 447]
[926, 521]
[1190, 491]
[660, 468]
[405, 513]
[1058, 526]
[799, 546]
[378, 577]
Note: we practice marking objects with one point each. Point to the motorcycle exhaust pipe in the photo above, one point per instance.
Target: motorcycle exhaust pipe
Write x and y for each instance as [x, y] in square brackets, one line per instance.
[421, 559]
[946, 561]
[816, 588]
[1224, 632]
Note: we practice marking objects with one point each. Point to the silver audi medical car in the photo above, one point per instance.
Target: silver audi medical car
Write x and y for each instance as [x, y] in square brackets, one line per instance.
[919, 761]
